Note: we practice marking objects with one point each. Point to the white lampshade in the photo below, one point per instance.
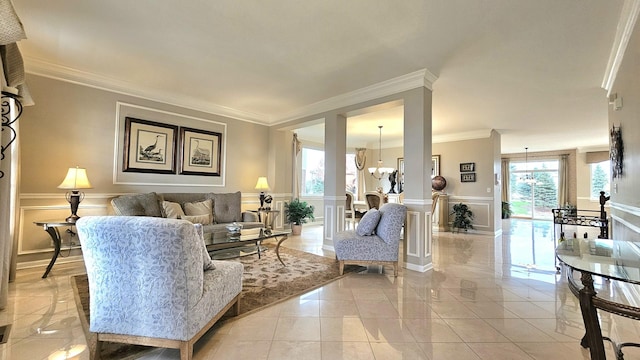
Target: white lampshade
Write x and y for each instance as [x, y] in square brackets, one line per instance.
[262, 184]
[76, 179]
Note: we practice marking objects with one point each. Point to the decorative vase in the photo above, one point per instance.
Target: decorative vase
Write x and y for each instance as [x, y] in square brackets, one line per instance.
[296, 229]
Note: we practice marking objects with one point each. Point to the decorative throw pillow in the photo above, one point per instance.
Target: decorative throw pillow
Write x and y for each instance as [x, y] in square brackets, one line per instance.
[368, 223]
[199, 208]
[207, 263]
[172, 210]
[197, 219]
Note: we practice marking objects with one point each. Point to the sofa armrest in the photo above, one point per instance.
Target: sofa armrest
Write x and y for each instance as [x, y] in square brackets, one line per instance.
[249, 216]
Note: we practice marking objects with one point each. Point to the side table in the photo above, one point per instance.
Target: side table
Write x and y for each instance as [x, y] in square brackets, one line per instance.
[51, 227]
[267, 217]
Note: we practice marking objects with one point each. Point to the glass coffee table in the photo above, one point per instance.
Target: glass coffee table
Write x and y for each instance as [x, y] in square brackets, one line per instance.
[249, 242]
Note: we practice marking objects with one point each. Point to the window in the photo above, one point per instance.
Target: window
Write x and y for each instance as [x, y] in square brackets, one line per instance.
[533, 188]
[600, 175]
[313, 172]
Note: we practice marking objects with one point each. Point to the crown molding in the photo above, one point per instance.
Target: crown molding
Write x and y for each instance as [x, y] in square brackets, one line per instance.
[416, 79]
[420, 78]
[58, 72]
[468, 135]
[626, 23]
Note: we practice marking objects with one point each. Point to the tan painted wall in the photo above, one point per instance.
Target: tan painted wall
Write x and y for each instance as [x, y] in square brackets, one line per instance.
[478, 195]
[76, 125]
[625, 196]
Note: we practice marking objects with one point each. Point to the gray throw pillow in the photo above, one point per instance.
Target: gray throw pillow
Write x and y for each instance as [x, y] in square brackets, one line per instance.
[138, 205]
[368, 223]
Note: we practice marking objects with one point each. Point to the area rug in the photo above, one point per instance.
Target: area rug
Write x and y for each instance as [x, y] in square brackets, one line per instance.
[265, 282]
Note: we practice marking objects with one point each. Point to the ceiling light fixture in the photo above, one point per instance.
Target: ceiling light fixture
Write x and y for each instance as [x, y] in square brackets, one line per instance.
[379, 171]
[528, 177]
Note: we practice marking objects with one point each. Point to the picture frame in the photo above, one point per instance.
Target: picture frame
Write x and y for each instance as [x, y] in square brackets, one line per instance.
[149, 147]
[435, 165]
[468, 177]
[200, 152]
[400, 178]
[467, 167]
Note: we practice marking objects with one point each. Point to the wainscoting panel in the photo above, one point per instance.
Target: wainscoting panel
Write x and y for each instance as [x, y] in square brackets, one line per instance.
[428, 231]
[32, 239]
[481, 208]
[413, 230]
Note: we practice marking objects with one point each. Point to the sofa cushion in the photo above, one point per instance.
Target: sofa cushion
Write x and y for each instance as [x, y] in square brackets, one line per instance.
[172, 210]
[201, 212]
[137, 205]
[227, 207]
[368, 223]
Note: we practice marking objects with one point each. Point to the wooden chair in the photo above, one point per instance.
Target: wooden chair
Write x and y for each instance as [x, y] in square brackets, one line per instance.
[374, 199]
[352, 215]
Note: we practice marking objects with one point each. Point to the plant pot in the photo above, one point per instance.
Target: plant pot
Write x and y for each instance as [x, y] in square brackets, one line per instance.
[296, 229]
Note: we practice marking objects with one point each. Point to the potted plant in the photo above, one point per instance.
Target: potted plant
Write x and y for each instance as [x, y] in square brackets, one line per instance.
[297, 212]
[506, 210]
[463, 217]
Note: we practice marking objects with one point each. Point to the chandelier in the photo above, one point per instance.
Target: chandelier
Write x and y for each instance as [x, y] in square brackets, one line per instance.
[379, 171]
[527, 177]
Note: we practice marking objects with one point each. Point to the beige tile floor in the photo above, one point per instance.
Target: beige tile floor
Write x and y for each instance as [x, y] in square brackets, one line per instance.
[485, 299]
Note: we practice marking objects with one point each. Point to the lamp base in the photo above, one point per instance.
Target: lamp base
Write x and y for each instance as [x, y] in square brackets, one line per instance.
[72, 219]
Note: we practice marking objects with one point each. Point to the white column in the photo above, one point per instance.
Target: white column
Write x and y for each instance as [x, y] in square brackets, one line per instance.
[417, 186]
[335, 149]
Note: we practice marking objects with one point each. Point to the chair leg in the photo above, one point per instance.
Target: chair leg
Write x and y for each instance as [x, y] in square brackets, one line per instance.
[186, 350]
[395, 269]
[341, 267]
[94, 346]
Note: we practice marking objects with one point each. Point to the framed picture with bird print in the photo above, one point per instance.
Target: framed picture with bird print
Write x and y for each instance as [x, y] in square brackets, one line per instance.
[149, 147]
[200, 152]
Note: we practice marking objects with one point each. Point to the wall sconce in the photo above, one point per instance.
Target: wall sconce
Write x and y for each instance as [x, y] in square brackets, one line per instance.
[76, 179]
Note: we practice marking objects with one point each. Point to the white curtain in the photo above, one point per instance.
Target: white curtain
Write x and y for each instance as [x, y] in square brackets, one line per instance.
[563, 181]
[361, 162]
[12, 85]
[297, 147]
[504, 173]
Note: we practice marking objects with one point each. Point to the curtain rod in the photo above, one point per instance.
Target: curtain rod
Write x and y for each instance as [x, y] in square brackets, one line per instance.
[536, 156]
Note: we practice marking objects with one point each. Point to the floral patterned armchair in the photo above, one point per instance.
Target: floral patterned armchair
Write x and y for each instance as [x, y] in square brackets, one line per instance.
[152, 282]
[375, 240]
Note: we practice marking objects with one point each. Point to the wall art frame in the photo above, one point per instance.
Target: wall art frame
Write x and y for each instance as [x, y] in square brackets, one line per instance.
[200, 152]
[149, 147]
[468, 177]
[467, 167]
[435, 165]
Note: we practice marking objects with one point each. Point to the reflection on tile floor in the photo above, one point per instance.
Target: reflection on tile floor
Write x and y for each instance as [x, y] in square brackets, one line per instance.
[485, 299]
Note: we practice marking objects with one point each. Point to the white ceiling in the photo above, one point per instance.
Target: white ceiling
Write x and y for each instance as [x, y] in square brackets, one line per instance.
[530, 69]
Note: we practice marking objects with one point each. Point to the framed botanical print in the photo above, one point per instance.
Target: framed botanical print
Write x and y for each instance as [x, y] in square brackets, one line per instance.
[200, 152]
[149, 147]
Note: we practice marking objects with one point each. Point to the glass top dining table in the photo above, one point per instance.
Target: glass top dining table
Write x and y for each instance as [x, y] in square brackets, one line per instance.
[609, 259]
[612, 259]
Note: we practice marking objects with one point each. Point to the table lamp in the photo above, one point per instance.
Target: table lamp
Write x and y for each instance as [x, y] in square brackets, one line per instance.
[76, 179]
[262, 185]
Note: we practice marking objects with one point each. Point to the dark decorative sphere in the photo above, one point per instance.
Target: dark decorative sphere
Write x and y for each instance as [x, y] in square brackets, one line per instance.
[438, 183]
